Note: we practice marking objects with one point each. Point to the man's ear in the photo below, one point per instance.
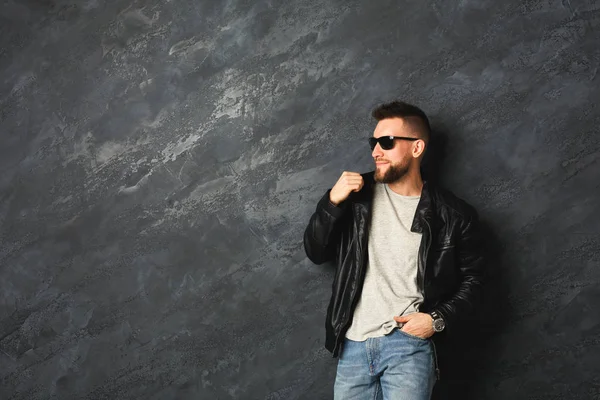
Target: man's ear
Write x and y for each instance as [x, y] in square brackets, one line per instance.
[418, 148]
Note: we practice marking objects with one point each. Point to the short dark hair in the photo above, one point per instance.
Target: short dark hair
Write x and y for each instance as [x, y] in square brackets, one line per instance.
[412, 114]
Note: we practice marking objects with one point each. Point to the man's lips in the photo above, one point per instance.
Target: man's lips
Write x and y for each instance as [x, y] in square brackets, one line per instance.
[381, 162]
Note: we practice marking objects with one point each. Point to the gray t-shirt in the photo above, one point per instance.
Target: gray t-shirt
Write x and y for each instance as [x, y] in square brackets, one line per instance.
[390, 287]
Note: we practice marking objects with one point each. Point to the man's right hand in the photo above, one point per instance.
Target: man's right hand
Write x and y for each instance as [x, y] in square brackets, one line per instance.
[348, 182]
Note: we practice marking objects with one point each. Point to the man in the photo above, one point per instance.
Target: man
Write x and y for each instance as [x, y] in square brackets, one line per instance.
[408, 264]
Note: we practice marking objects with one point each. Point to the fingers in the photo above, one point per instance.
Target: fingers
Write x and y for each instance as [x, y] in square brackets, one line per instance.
[403, 318]
[350, 177]
[418, 325]
[352, 181]
[406, 318]
[347, 183]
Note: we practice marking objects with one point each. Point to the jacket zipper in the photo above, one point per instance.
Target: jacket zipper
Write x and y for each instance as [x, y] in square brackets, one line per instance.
[426, 253]
[435, 361]
[354, 300]
[435, 358]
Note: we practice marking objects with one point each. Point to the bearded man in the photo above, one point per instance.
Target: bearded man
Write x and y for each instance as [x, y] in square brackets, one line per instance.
[408, 258]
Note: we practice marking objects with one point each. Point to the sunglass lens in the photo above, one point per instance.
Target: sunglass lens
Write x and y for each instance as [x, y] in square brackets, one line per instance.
[385, 142]
[372, 142]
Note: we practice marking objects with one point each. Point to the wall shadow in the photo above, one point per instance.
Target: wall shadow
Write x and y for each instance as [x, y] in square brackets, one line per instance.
[464, 354]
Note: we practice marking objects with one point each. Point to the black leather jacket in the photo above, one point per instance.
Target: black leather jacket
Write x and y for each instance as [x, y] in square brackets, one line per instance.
[450, 254]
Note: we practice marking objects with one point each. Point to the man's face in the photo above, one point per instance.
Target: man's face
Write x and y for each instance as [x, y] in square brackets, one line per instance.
[392, 165]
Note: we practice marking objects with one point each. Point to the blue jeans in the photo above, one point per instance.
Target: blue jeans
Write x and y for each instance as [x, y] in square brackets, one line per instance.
[397, 366]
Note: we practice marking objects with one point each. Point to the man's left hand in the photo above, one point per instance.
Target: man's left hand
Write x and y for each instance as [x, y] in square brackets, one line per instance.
[417, 324]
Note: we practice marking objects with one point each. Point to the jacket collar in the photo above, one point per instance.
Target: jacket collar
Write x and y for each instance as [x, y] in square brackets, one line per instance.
[424, 212]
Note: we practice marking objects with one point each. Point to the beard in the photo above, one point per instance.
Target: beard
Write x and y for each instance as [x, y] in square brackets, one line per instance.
[394, 173]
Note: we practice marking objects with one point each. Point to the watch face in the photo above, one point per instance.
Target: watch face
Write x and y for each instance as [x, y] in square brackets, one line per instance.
[438, 325]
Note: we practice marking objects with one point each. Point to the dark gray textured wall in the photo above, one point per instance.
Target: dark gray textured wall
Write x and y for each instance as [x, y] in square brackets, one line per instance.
[160, 159]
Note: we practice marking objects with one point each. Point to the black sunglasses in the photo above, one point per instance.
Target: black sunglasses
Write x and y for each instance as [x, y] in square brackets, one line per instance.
[387, 142]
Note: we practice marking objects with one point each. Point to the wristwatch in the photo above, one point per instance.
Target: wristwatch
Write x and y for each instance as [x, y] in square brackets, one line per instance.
[438, 322]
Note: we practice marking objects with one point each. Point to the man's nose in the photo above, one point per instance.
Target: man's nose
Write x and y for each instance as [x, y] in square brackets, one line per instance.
[377, 151]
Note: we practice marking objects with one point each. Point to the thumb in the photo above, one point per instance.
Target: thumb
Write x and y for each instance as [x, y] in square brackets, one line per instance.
[402, 318]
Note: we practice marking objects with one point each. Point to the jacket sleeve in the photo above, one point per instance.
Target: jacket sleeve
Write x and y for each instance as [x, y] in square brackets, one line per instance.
[470, 255]
[321, 234]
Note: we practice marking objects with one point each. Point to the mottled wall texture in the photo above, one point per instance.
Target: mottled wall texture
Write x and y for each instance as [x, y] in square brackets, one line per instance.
[160, 159]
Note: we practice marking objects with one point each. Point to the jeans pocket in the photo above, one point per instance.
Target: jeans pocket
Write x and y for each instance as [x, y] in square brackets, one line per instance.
[412, 336]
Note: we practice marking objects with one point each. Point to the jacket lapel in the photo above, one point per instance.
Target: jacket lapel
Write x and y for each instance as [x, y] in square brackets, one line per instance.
[424, 212]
